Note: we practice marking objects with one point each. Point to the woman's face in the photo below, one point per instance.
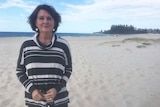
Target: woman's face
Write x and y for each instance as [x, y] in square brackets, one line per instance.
[44, 21]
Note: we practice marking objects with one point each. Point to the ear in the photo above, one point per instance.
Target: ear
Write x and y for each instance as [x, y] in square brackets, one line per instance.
[36, 29]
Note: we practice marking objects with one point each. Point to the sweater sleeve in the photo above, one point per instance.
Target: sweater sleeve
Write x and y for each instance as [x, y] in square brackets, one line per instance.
[21, 72]
[68, 68]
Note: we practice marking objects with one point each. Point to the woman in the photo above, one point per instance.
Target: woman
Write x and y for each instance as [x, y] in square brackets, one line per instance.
[44, 64]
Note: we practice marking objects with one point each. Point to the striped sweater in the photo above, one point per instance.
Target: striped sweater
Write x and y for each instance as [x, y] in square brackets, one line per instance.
[44, 67]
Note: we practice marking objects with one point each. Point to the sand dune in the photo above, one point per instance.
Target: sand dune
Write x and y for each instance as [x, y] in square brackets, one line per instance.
[118, 71]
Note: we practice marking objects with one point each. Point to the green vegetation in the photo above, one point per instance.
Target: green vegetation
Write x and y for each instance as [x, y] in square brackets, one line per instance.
[127, 29]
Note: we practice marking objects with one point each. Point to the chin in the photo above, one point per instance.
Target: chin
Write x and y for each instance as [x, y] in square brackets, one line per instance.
[46, 31]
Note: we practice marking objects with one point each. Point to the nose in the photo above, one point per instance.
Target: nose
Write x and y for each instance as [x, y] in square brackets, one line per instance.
[45, 20]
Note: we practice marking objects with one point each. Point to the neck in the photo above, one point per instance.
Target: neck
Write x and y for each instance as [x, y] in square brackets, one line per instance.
[45, 38]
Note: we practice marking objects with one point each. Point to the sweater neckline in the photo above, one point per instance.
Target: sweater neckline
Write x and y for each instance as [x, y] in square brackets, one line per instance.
[41, 45]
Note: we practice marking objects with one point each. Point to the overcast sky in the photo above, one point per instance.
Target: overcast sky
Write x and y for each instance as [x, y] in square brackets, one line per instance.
[83, 16]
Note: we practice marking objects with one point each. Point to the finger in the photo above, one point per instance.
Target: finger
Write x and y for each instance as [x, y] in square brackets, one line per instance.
[47, 96]
[49, 100]
[38, 97]
[50, 94]
[52, 91]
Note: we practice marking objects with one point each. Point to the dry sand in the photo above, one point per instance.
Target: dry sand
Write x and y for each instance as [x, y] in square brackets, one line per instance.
[121, 71]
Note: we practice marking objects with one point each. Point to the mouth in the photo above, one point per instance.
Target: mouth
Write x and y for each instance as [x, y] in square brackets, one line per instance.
[45, 26]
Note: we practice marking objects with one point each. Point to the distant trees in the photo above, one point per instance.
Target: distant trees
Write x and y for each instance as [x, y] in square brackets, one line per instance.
[128, 29]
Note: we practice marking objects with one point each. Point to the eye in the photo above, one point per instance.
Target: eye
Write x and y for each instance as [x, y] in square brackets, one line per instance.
[49, 18]
[41, 18]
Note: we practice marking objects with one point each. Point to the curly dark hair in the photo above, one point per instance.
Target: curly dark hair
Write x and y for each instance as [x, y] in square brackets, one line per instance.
[55, 15]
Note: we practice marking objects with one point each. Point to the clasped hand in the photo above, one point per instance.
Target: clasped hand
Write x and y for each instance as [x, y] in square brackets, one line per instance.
[49, 96]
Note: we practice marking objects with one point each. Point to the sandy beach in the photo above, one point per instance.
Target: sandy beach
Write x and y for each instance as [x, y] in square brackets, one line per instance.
[117, 71]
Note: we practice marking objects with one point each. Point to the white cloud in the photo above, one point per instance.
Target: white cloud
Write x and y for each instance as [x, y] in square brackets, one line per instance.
[108, 9]
[27, 6]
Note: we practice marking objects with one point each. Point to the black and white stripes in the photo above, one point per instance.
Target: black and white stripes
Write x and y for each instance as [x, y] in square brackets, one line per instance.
[43, 68]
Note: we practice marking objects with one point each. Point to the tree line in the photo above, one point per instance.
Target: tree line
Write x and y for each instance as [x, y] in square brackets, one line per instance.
[128, 29]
